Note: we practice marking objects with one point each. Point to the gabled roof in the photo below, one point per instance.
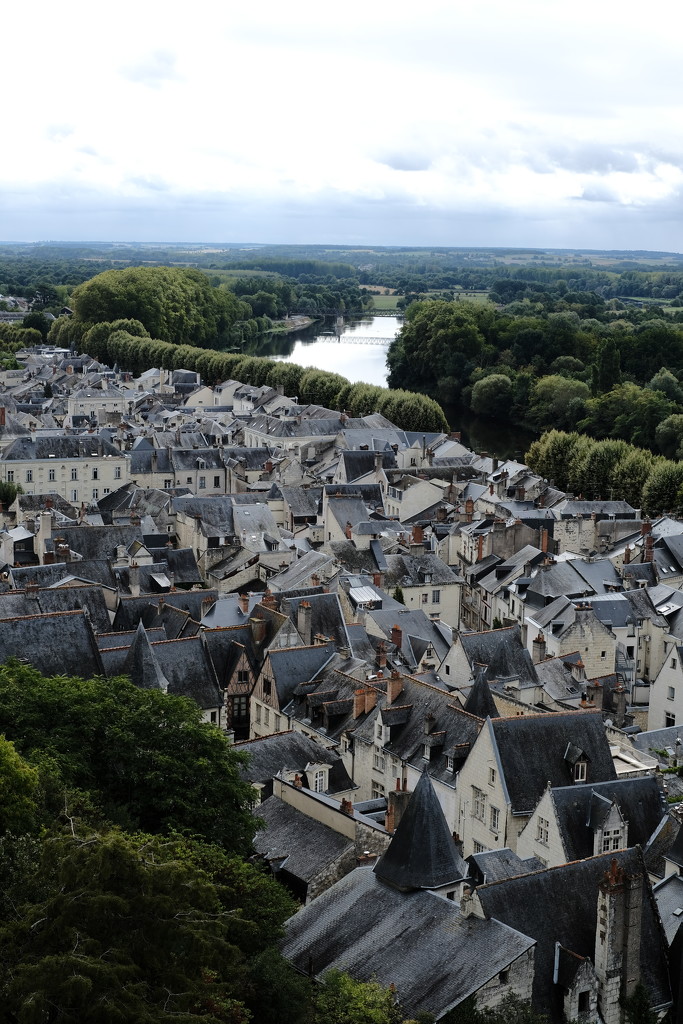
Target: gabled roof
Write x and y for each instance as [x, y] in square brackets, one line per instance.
[501, 651]
[640, 801]
[480, 700]
[422, 853]
[417, 941]
[292, 751]
[533, 751]
[560, 905]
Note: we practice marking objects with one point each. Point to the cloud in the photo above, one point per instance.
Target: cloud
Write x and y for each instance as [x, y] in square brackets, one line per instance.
[153, 69]
[598, 193]
[405, 161]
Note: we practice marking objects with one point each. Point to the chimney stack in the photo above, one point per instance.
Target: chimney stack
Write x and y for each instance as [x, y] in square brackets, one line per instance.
[134, 579]
[394, 686]
[397, 636]
[538, 649]
[243, 602]
[617, 940]
[304, 622]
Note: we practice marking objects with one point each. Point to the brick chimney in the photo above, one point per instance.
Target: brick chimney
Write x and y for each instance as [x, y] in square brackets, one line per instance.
[594, 692]
[469, 510]
[397, 636]
[346, 807]
[394, 686]
[397, 801]
[268, 601]
[258, 630]
[381, 655]
[358, 703]
[544, 540]
[347, 531]
[480, 547]
[627, 555]
[619, 695]
[617, 941]
[304, 621]
[377, 580]
[243, 602]
[370, 696]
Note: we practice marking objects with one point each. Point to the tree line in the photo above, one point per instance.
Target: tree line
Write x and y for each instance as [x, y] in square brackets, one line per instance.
[609, 470]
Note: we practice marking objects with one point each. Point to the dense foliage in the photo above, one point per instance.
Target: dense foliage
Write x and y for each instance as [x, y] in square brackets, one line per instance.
[118, 342]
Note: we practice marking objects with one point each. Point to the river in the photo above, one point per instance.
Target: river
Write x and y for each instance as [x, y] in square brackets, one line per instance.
[340, 348]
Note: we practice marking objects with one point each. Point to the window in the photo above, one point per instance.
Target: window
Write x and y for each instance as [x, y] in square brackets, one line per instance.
[258, 714]
[74, 473]
[95, 473]
[74, 495]
[436, 596]
[266, 716]
[29, 476]
[450, 763]
[584, 1002]
[213, 717]
[479, 847]
[243, 676]
[603, 654]
[504, 976]
[168, 484]
[216, 481]
[10, 476]
[189, 480]
[267, 686]
[319, 782]
[580, 771]
[669, 720]
[448, 670]
[379, 731]
[611, 839]
[494, 819]
[202, 483]
[492, 776]
[426, 752]
[51, 473]
[478, 803]
[673, 663]
[107, 490]
[378, 791]
[240, 708]
[278, 720]
[378, 762]
[542, 827]
[670, 693]
[95, 493]
[425, 598]
[117, 472]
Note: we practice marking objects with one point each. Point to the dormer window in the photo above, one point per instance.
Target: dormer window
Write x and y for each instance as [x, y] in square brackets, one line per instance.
[612, 839]
[450, 764]
[580, 771]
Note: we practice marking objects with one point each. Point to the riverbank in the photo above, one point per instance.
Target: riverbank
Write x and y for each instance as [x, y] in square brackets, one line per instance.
[293, 323]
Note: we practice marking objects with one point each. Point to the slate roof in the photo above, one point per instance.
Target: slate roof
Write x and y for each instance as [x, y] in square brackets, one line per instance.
[327, 618]
[669, 899]
[301, 501]
[480, 700]
[417, 941]
[60, 446]
[422, 853]
[495, 865]
[59, 643]
[560, 905]
[307, 846]
[533, 749]
[501, 651]
[291, 666]
[88, 570]
[152, 610]
[640, 801]
[292, 751]
[141, 664]
[412, 570]
[19, 603]
[216, 514]
[98, 542]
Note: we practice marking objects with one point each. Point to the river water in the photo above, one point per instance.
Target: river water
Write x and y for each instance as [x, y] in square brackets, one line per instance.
[339, 348]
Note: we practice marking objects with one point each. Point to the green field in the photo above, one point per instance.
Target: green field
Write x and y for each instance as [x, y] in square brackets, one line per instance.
[385, 301]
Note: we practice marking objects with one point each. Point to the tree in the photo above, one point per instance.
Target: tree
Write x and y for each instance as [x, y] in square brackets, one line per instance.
[38, 321]
[669, 436]
[18, 790]
[147, 758]
[124, 933]
[512, 1010]
[608, 366]
[662, 487]
[557, 402]
[492, 396]
[398, 595]
[342, 1000]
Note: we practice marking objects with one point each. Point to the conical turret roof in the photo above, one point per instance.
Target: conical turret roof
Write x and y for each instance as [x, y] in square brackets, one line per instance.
[422, 853]
[141, 663]
[480, 701]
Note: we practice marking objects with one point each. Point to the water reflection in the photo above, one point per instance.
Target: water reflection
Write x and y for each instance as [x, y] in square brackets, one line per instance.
[339, 348]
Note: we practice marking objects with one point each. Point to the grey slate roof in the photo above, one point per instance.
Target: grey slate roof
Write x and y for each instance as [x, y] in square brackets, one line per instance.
[560, 905]
[308, 846]
[142, 665]
[501, 651]
[417, 941]
[669, 899]
[59, 643]
[293, 751]
[18, 603]
[480, 700]
[640, 801]
[533, 751]
[291, 666]
[494, 865]
[422, 853]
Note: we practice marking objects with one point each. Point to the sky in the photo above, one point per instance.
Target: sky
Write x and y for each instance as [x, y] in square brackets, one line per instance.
[533, 123]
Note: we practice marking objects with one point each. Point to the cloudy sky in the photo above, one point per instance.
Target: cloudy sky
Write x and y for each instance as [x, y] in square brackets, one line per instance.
[367, 122]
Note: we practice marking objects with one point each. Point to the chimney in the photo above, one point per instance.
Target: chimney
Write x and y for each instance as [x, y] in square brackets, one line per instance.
[268, 601]
[370, 698]
[377, 580]
[243, 603]
[207, 604]
[32, 589]
[134, 579]
[397, 801]
[627, 555]
[544, 540]
[394, 686]
[397, 636]
[619, 695]
[381, 655]
[469, 510]
[617, 941]
[304, 622]
[346, 807]
[347, 531]
[594, 693]
[358, 703]
[480, 547]
[2, 416]
[315, 580]
[538, 649]
[649, 554]
[258, 630]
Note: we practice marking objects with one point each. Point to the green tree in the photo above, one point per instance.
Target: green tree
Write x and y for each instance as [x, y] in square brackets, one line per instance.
[669, 436]
[492, 396]
[124, 933]
[136, 751]
[342, 1000]
[557, 402]
[39, 322]
[662, 487]
[609, 366]
[18, 791]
